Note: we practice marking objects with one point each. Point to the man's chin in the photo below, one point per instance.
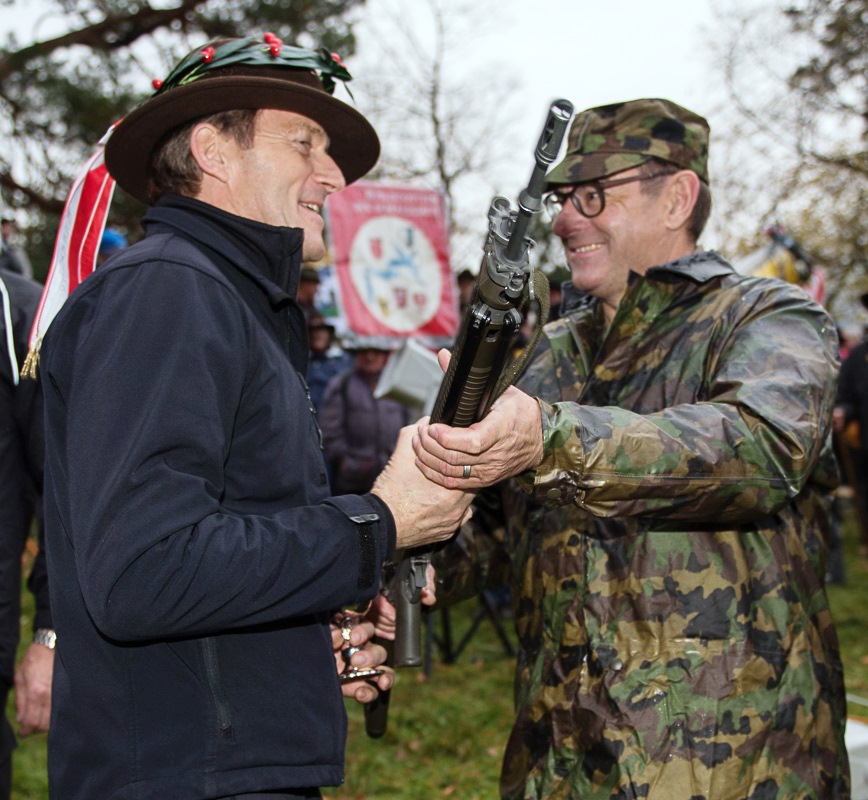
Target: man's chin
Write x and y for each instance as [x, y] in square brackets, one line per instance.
[312, 250]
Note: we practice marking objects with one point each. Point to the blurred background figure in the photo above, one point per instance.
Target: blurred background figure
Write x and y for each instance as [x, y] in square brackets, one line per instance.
[360, 431]
[466, 281]
[22, 442]
[113, 241]
[12, 257]
[308, 284]
[848, 337]
[851, 425]
[326, 358]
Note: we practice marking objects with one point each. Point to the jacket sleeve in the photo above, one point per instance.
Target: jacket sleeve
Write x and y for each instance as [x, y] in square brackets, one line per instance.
[743, 450]
[22, 447]
[14, 521]
[477, 557]
[33, 432]
[146, 373]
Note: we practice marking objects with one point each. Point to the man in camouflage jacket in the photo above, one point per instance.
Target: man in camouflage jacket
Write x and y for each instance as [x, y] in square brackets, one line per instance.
[668, 549]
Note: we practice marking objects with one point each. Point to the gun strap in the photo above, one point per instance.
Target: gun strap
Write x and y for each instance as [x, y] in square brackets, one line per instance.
[511, 373]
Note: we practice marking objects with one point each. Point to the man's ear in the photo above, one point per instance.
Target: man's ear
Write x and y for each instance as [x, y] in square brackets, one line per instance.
[683, 192]
[207, 146]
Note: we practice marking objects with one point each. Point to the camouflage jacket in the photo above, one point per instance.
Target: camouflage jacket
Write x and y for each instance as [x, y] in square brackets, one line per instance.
[667, 557]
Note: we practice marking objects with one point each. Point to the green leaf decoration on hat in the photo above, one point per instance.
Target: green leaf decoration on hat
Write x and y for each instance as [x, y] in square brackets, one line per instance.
[269, 51]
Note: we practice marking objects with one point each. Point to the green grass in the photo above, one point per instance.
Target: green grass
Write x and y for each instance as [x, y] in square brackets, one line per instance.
[446, 734]
[850, 607]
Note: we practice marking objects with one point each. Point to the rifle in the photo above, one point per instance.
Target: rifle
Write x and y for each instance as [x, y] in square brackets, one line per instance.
[477, 372]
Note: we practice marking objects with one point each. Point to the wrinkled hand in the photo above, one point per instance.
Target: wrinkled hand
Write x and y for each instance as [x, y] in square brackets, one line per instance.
[424, 512]
[33, 690]
[371, 655]
[506, 442]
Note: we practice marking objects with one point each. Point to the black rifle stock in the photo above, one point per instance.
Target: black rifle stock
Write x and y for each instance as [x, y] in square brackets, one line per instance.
[477, 371]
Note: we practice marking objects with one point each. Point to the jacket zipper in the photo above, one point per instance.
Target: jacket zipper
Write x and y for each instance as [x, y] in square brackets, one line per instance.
[208, 646]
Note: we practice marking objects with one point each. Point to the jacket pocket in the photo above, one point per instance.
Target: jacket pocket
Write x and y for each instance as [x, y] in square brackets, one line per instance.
[219, 701]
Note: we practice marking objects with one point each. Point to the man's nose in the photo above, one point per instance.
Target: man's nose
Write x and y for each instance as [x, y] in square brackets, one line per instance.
[568, 217]
[329, 174]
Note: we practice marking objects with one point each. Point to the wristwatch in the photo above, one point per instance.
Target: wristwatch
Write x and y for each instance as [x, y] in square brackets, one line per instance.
[46, 637]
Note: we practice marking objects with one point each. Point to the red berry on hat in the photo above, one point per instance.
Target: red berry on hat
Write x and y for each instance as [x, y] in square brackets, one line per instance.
[208, 55]
[336, 57]
[156, 83]
[275, 47]
[269, 38]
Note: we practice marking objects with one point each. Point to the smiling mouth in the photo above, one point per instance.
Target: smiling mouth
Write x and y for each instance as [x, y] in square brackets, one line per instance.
[313, 207]
[585, 248]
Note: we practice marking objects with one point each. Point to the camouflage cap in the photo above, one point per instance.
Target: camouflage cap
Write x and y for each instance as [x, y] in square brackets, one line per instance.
[613, 138]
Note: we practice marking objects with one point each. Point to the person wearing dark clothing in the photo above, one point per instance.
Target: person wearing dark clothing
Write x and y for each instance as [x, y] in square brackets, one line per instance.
[196, 556]
[12, 257]
[21, 466]
[466, 282]
[851, 406]
[359, 430]
[325, 360]
[308, 285]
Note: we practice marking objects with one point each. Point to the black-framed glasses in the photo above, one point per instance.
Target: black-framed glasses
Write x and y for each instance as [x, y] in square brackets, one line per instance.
[589, 198]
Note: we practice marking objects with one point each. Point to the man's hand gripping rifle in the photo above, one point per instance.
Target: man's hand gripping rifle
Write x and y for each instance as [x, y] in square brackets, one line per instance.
[478, 372]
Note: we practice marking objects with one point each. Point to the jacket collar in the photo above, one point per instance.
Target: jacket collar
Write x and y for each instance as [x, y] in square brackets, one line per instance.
[269, 255]
[647, 296]
[699, 267]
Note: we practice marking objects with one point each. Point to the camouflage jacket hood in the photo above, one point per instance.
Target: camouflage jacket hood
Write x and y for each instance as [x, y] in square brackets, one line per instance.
[667, 557]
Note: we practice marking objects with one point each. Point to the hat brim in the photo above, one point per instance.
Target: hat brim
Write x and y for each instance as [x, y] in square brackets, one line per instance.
[354, 144]
[592, 167]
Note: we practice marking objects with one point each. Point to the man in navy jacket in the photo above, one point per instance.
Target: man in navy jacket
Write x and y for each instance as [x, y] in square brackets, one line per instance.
[195, 553]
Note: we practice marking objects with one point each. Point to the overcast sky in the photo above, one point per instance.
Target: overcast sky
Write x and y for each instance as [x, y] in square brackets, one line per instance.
[587, 51]
[591, 52]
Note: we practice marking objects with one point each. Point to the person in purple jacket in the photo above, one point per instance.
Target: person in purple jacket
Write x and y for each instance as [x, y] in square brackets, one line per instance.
[196, 556]
[359, 429]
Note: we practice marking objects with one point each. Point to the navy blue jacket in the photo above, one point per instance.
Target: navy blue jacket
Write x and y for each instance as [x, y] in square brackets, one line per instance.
[21, 457]
[194, 552]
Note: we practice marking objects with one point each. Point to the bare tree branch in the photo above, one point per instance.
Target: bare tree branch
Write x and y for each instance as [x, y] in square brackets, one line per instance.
[115, 32]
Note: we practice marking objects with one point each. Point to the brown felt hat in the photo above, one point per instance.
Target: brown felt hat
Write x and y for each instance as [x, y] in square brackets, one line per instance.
[239, 74]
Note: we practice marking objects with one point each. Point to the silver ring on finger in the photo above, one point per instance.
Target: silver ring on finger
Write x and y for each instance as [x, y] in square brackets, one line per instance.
[467, 469]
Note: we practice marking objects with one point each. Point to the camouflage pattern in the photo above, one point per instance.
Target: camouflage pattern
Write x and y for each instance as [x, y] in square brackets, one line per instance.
[668, 562]
[610, 139]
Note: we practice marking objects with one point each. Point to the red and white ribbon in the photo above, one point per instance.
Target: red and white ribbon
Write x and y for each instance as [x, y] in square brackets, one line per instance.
[76, 246]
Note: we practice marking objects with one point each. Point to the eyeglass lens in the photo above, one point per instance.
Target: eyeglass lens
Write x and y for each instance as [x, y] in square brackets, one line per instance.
[588, 199]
